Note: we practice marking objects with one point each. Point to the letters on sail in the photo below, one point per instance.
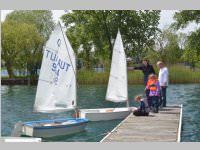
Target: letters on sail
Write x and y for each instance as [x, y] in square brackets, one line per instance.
[56, 90]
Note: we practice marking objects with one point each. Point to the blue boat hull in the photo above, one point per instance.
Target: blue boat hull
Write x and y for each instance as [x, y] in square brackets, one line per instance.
[51, 128]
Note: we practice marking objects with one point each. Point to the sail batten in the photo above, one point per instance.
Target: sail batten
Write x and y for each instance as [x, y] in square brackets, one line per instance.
[117, 90]
[56, 90]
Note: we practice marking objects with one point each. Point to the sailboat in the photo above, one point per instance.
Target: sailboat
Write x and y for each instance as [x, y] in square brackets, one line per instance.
[56, 90]
[117, 90]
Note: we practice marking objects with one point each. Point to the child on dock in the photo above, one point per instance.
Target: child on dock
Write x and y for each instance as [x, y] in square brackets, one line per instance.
[143, 109]
[154, 92]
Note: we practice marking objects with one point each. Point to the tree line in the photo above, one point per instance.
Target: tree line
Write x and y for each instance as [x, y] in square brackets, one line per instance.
[92, 34]
[23, 35]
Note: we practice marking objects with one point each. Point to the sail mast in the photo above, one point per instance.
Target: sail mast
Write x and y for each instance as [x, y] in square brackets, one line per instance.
[67, 49]
[127, 102]
[74, 67]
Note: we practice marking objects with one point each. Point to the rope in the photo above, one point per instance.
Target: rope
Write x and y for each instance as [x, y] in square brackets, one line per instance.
[69, 56]
[67, 50]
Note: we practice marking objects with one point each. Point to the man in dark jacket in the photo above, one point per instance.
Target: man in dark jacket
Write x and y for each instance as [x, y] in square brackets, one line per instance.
[147, 69]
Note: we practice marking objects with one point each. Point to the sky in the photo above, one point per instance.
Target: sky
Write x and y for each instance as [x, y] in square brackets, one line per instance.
[166, 18]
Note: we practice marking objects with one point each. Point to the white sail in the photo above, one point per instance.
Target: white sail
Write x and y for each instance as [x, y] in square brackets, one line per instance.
[117, 85]
[56, 90]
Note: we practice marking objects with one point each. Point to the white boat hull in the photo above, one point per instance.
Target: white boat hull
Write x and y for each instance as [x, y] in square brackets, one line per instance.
[101, 114]
[51, 128]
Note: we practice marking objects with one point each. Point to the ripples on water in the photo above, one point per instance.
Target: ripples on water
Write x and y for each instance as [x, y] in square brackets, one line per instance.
[17, 104]
[189, 96]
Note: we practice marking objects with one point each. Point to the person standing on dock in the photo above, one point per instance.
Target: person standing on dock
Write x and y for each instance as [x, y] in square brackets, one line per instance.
[163, 79]
[146, 68]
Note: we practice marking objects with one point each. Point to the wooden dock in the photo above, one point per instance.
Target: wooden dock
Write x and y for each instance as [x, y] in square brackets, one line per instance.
[164, 126]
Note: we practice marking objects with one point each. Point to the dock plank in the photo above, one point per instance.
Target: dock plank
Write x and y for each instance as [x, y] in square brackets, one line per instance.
[158, 127]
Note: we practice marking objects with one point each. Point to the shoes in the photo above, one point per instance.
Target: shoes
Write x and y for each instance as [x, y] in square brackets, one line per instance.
[155, 109]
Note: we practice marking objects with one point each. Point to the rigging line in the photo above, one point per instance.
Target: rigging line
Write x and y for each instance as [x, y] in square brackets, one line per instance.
[67, 49]
[69, 56]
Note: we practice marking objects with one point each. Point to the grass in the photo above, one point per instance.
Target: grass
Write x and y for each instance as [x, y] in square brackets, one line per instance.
[177, 74]
[181, 74]
[91, 77]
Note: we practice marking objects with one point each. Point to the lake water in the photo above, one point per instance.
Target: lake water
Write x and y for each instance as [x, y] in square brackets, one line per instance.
[17, 104]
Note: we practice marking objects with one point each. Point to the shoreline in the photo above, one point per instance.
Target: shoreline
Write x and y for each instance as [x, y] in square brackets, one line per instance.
[25, 81]
[178, 75]
[18, 81]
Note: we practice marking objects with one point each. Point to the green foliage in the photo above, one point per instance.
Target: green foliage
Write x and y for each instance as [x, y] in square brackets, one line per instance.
[183, 18]
[23, 35]
[177, 74]
[91, 77]
[190, 56]
[182, 74]
[153, 56]
[42, 19]
[19, 41]
[172, 51]
[194, 41]
[92, 35]
[99, 28]
[167, 47]
[192, 52]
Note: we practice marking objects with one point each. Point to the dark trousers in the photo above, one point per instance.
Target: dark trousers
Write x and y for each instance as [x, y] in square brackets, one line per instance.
[155, 103]
[163, 96]
[140, 113]
[148, 99]
[145, 80]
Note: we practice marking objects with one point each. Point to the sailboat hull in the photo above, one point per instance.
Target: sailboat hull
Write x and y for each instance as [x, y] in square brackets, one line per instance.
[101, 114]
[51, 128]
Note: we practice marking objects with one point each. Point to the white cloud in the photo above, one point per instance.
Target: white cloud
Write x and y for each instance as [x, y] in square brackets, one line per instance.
[4, 13]
[166, 18]
[57, 14]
